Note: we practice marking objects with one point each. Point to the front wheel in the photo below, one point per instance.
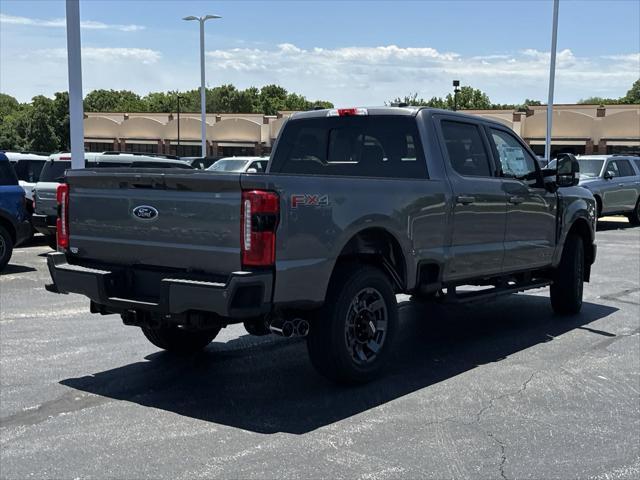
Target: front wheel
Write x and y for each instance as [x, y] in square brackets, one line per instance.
[568, 282]
[350, 336]
[177, 340]
[6, 247]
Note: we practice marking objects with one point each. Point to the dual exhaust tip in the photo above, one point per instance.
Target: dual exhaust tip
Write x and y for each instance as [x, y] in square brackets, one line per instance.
[290, 328]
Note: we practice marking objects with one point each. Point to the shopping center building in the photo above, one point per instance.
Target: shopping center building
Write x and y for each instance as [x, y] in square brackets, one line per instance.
[579, 129]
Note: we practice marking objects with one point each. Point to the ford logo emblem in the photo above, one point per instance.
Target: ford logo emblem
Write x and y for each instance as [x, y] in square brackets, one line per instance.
[145, 212]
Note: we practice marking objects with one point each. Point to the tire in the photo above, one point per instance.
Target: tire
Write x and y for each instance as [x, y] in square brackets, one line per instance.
[176, 340]
[348, 343]
[6, 247]
[256, 326]
[598, 207]
[634, 217]
[52, 241]
[568, 283]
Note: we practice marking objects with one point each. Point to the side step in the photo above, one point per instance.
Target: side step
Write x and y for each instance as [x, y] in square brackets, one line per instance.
[489, 294]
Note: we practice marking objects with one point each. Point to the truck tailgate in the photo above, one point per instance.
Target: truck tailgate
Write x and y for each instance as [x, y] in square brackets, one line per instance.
[188, 220]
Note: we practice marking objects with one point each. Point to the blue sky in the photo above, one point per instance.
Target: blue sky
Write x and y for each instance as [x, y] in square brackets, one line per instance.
[360, 52]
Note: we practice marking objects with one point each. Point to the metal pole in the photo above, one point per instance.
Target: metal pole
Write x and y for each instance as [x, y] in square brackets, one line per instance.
[203, 105]
[74, 65]
[552, 76]
[178, 126]
[455, 100]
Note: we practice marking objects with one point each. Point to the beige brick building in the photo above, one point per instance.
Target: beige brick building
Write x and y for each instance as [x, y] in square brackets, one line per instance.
[576, 129]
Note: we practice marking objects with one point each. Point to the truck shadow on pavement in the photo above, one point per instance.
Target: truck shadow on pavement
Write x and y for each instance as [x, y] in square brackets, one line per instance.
[268, 385]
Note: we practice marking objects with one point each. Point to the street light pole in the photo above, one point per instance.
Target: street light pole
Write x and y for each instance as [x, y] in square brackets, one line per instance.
[203, 105]
[178, 149]
[552, 77]
[456, 89]
[74, 64]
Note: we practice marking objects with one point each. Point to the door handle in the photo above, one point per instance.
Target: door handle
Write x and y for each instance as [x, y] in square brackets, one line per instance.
[621, 184]
[516, 200]
[465, 199]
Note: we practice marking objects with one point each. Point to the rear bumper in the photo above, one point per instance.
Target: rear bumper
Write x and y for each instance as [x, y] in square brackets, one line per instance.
[245, 294]
[45, 224]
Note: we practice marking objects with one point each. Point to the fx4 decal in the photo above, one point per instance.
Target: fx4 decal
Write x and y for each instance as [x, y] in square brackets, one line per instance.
[307, 200]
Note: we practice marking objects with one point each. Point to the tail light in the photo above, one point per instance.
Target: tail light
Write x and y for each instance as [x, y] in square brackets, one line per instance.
[62, 223]
[347, 112]
[260, 213]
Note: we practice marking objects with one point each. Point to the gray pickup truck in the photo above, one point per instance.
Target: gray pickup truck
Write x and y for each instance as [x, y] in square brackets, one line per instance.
[356, 206]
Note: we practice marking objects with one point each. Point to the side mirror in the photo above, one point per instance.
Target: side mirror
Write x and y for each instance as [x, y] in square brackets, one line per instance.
[252, 170]
[608, 175]
[568, 170]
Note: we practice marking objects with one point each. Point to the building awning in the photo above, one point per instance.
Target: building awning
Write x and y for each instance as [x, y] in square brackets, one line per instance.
[131, 141]
[194, 143]
[99, 140]
[623, 143]
[559, 142]
[237, 144]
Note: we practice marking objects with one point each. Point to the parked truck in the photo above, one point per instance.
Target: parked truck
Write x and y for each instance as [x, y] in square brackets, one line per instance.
[357, 205]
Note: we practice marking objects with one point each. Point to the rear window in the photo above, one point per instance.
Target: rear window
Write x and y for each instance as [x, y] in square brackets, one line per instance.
[28, 170]
[53, 171]
[358, 146]
[7, 175]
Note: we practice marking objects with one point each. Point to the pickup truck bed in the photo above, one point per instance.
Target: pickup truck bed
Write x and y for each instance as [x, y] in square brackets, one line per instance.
[356, 205]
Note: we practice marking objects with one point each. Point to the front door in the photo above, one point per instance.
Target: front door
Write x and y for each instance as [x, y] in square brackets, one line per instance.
[530, 236]
[479, 210]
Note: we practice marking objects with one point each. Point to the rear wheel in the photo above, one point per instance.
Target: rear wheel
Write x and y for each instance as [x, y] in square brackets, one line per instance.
[6, 247]
[634, 217]
[350, 338]
[568, 283]
[174, 339]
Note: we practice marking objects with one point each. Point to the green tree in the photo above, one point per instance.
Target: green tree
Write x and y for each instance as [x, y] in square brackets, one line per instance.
[40, 134]
[633, 95]
[161, 102]
[272, 99]
[60, 120]
[113, 101]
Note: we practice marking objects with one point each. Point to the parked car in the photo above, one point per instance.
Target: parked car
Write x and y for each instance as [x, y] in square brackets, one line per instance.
[200, 162]
[45, 212]
[614, 181]
[27, 167]
[14, 219]
[240, 165]
[356, 206]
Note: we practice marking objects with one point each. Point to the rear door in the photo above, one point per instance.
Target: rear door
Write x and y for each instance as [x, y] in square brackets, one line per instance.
[620, 194]
[530, 236]
[479, 212]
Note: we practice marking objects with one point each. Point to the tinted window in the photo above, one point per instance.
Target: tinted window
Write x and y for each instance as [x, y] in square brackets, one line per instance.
[28, 170]
[259, 165]
[358, 146]
[7, 175]
[53, 171]
[466, 150]
[625, 168]
[514, 159]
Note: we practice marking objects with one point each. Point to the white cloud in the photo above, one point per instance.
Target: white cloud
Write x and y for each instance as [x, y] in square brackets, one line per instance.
[61, 23]
[351, 75]
[106, 55]
[368, 75]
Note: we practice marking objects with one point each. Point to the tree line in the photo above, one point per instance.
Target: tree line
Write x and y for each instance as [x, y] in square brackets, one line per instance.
[43, 124]
[470, 98]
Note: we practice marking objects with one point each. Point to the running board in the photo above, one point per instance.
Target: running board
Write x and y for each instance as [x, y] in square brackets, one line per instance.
[489, 294]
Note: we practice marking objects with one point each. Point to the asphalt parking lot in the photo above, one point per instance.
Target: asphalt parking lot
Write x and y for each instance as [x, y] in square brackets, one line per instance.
[498, 390]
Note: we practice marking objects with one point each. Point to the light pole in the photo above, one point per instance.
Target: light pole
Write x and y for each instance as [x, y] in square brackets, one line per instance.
[456, 90]
[552, 78]
[178, 97]
[203, 105]
[74, 65]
